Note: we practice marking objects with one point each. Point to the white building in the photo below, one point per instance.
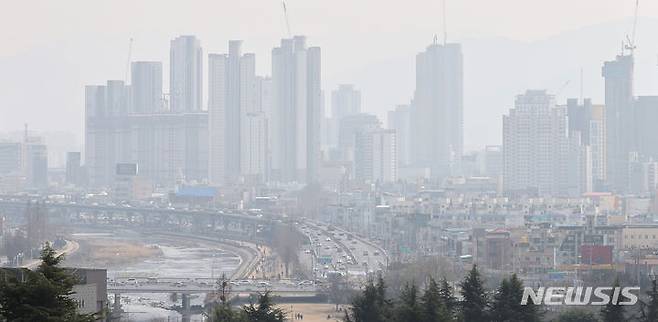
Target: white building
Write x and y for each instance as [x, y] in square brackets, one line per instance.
[185, 80]
[297, 104]
[536, 146]
[375, 157]
[238, 124]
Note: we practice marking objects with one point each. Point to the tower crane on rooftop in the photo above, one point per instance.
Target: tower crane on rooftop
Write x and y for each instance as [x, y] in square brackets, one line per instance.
[630, 40]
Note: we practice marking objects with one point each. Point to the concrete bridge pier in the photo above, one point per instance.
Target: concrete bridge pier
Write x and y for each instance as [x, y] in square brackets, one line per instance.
[116, 308]
[185, 312]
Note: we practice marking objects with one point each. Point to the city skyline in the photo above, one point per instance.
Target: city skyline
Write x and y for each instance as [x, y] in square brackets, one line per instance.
[379, 94]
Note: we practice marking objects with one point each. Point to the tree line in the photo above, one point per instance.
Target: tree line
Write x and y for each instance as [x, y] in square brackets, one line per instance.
[436, 302]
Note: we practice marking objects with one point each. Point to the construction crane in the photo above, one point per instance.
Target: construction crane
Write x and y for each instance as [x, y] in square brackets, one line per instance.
[285, 16]
[130, 52]
[630, 41]
[445, 24]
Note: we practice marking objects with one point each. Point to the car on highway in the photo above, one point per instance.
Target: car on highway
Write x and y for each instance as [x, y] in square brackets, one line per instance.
[305, 283]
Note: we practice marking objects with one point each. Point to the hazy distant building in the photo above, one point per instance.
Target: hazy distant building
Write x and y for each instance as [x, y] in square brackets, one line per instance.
[11, 158]
[375, 156]
[619, 119]
[437, 110]
[74, 173]
[349, 126]
[345, 100]
[168, 147]
[588, 122]
[493, 161]
[296, 104]
[104, 129]
[146, 87]
[185, 70]
[238, 125]
[643, 176]
[36, 164]
[400, 121]
[646, 126]
[535, 146]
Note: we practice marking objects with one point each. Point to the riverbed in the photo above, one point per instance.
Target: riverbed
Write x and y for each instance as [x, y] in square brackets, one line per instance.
[132, 254]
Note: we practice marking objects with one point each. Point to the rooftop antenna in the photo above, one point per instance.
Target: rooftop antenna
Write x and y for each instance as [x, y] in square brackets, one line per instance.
[630, 41]
[445, 25]
[130, 52]
[285, 15]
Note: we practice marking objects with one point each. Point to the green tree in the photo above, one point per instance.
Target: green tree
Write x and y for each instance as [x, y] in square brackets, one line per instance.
[475, 302]
[502, 308]
[529, 312]
[650, 308]
[223, 312]
[448, 298]
[433, 306]
[371, 305]
[264, 310]
[40, 295]
[408, 308]
[507, 307]
[577, 316]
[613, 312]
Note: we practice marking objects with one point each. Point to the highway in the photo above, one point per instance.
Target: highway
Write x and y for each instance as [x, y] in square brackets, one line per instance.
[336, 250]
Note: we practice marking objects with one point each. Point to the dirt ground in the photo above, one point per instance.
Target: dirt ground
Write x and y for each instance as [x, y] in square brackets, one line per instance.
[103, 253]
[314, 312]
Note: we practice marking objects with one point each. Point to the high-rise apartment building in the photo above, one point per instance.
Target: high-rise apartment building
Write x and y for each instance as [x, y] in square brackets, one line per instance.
[400, 121]
[536, 146]
[74, 168]
[11, 158]
[146, 87]
[238, 124]
[168, 147]
[646, 116]
[348, 127]
[185, 70]
[619, 119]
[375, 156]
[297, 105]
[587, 121]
[345, 100]
[437, 111]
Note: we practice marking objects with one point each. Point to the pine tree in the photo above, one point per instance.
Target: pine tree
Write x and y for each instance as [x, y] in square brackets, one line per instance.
[530, 311]
[507, 305]
[613, 312]
[474, 304]
[370, 306]
[650, 309]
[448, 298]
[502, 309]
[264, 310]
[433, 307]
[408, 308]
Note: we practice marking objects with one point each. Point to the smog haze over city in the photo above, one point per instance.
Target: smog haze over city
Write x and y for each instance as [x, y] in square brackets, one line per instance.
[366, 161]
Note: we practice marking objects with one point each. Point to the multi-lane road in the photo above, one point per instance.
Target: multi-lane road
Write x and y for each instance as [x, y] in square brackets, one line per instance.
[334, 250]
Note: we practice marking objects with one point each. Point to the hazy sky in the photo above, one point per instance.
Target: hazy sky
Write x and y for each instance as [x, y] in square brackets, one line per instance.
[50, 49]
